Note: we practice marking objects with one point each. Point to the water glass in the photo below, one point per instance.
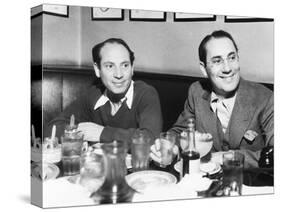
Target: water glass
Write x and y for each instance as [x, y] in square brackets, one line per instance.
[71, 153]
[92, 169]
[140, 149]
[167, 142]
[233, 164]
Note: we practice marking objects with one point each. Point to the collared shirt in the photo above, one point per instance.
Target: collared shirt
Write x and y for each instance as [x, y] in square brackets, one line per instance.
[116, 106]
[223, 108]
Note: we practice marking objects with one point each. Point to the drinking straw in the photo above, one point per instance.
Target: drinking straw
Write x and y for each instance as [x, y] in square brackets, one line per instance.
[32, 132]
[72, 121]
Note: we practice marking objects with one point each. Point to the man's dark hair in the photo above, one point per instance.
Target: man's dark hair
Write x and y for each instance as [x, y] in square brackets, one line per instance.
[215, 34]
[97, 48]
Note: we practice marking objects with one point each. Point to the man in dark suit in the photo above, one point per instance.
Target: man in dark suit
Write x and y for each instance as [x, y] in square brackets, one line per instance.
[238, 113]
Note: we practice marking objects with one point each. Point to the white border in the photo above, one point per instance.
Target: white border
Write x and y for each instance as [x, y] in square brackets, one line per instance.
[15, 103]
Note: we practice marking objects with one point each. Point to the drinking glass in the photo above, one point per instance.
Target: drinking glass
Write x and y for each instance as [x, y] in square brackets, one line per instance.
[233, 164]
[92, 169]
[167, 142]
[140, 149]
[71, 153]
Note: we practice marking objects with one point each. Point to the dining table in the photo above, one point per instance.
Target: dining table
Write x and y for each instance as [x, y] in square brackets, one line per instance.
[66, 191]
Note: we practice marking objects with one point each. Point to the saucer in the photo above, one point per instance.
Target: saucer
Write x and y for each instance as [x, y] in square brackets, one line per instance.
[141, 180]
[209, 168]
[44, 171]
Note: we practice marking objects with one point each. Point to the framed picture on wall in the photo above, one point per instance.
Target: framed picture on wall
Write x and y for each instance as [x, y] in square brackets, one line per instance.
[105, 13]
[50, 9]
[235, 19]
[193, 17]
[147, 15]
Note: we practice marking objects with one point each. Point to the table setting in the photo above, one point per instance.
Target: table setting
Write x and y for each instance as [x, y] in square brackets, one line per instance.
[87, 173]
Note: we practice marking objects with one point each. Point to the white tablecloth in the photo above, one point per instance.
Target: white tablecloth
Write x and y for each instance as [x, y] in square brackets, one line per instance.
[62, 193]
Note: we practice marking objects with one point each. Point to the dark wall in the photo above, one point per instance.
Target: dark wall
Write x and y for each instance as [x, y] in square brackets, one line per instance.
[36, 99]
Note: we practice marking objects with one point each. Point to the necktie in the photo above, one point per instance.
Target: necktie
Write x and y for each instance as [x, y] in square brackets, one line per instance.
[222, 114]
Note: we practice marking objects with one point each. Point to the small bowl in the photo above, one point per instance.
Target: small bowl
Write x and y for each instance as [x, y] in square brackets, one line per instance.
[204, 147]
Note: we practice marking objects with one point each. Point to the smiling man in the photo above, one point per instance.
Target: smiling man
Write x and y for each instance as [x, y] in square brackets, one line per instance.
[238, 113]
[119, 106]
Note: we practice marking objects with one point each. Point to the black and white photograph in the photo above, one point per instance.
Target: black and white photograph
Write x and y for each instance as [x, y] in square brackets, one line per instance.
[138, 106]
[105, 13]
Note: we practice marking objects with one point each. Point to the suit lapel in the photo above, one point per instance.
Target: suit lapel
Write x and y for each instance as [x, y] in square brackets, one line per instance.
[209, 119]
[241, 115]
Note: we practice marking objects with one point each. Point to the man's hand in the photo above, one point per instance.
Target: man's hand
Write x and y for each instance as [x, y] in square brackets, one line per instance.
[217, 157]
[90, 130]
[155, 153]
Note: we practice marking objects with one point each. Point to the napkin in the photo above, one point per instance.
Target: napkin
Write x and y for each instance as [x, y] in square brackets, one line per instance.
[195, 182]
[166, 192]
[254, 190]
[62, 193]
[187, 188]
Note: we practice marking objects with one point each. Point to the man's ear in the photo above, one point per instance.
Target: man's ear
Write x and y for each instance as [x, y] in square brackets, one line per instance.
[203, 69]
[133, 69]
[97, 70]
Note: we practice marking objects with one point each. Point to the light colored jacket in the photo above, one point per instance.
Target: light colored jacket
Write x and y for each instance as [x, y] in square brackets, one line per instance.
[251, 126]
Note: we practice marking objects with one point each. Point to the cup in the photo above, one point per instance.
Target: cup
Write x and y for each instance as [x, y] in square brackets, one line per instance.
[233, 164]
[140, 149]
[92, 169]
[71, 153]
[167, 142]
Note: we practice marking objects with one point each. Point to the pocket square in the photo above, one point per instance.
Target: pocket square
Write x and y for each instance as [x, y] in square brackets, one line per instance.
[250, 135]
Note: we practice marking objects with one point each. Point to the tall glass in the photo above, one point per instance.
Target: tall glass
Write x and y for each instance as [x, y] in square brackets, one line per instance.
[233, 163]
[140, 149]
[114, 188]
[167, 142]
[71, 152]
[92, 169]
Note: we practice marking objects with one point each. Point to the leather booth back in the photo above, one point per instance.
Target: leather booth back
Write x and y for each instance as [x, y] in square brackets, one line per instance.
[62, 85]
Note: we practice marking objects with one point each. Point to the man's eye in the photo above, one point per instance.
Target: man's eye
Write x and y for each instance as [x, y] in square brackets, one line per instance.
[232, 58]
[217, 61]
[108, 66]
[125, 65]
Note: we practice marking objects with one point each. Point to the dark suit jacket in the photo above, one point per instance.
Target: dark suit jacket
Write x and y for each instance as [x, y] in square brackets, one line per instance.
[253, 110]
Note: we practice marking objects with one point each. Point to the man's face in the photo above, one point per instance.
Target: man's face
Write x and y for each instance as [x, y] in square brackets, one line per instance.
[115, 68]
[222, 65]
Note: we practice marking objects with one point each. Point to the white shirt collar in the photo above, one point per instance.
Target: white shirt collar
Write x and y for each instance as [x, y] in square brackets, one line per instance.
[129, 97]
[228, 102]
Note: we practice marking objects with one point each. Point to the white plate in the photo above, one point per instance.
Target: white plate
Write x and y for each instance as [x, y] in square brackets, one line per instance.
[44, 171]
[91, 184]
[143, 179]
[208, 168]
